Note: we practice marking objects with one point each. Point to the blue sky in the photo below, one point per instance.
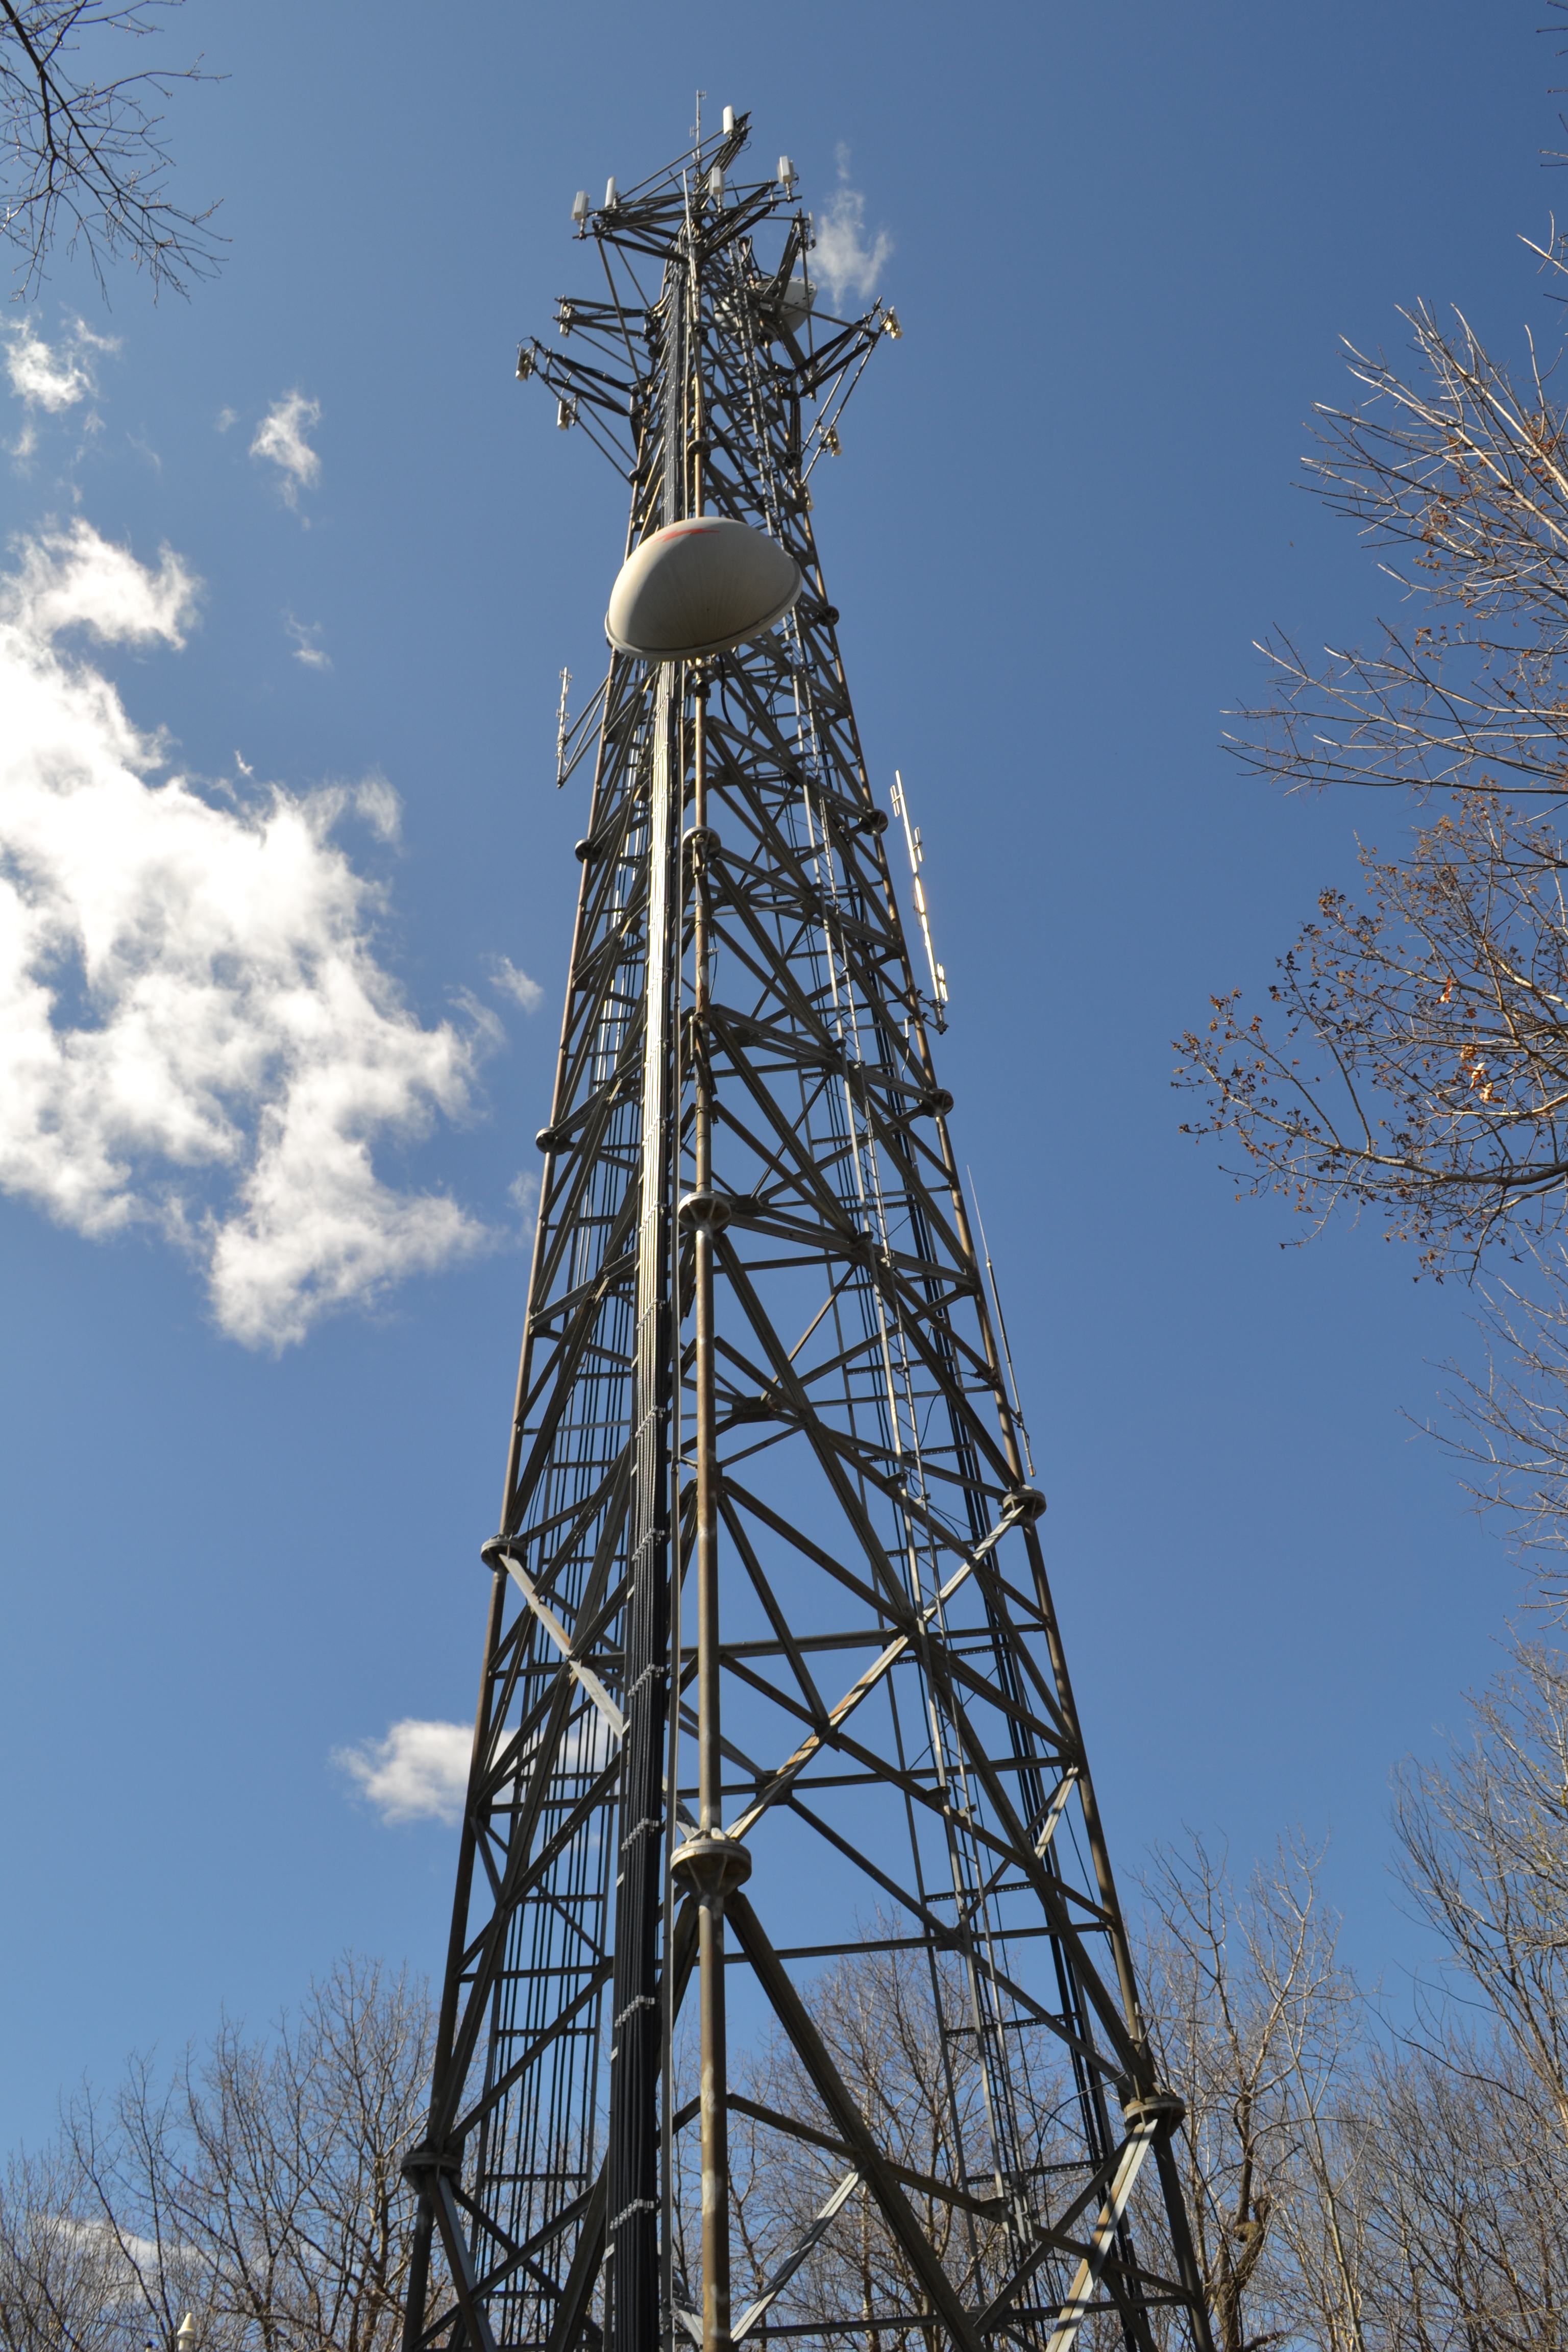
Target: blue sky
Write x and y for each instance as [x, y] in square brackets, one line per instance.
[259, 1360]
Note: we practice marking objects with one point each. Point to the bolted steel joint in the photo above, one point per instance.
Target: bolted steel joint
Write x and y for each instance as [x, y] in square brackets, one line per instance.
[424, 2164]
[704, 1212]
[710, 1866]
[1164, 2109]
[1024, 1505]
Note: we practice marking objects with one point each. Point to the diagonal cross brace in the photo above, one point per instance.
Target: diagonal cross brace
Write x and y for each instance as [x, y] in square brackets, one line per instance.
[792, 2261]
[836, 2097]
[790, 1771]
[562, 1640]
[1145, 2126]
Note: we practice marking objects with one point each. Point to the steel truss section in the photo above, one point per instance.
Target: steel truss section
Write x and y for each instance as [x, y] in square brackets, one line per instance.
[768, 1607]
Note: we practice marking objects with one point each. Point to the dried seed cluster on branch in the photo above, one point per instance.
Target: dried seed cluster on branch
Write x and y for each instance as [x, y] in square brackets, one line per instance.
[1415, 1055]
[82, 145]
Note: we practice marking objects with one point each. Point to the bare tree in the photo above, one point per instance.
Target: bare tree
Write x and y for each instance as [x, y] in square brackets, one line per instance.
[1509, 1427]
[62, 2278]
[1459, 478]
[83, 145]
[1421, 1062]
[1356, 2189]
[1259, 2028]
[1414, 1051]
[1465, 2202]
[1411, 1060]
[260, 2186]
[1484, 1844]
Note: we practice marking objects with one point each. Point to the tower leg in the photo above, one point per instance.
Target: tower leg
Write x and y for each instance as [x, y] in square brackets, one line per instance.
[709, 1864]
[632, 2230]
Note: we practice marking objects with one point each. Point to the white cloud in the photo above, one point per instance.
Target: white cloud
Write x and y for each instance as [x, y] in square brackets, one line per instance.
[51, 376]
[226, 417]
[844, 261]
[378, 806]
[75, 579]
[306, 649]
[418, 1772]
[508, 980]
[280, 436]
[196, 1034]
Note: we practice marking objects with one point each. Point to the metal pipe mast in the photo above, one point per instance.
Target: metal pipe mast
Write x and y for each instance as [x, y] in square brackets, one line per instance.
[768, 1607]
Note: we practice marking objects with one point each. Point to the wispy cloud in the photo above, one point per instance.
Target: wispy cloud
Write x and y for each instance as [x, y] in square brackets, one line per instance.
[508, 980]
[306, 649]
[75, 579]
[379, 807]
[195, 1034]
[844, 261]
[281, 438]
[53, 376]
[418, 1772]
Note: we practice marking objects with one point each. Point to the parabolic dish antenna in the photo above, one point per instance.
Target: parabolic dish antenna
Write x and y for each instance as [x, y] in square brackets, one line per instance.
[699, 587]
[799, 298]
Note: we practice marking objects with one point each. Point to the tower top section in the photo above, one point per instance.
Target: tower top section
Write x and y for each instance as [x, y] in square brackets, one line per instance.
[700, 181]
[703, 220]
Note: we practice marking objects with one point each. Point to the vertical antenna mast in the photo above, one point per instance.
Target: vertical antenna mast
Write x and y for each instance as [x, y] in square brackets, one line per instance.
[764, 1460]
[1002, 1328]
[562, 730]
[917, 860]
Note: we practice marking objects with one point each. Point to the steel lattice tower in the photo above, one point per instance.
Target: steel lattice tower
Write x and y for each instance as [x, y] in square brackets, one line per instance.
[763, 1461]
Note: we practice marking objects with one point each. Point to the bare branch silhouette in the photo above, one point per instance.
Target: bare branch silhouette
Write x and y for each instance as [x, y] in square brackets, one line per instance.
[82, 145]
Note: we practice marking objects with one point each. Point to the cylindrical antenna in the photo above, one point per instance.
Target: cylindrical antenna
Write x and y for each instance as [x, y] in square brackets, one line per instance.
[562, 730]
[916, 857]
[1001, 1321]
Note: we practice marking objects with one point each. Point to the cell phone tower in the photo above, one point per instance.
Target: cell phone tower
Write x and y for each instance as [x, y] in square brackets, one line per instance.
[774, 1712]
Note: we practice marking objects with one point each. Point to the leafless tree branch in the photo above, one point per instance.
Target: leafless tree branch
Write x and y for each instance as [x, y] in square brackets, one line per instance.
[82, 146]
